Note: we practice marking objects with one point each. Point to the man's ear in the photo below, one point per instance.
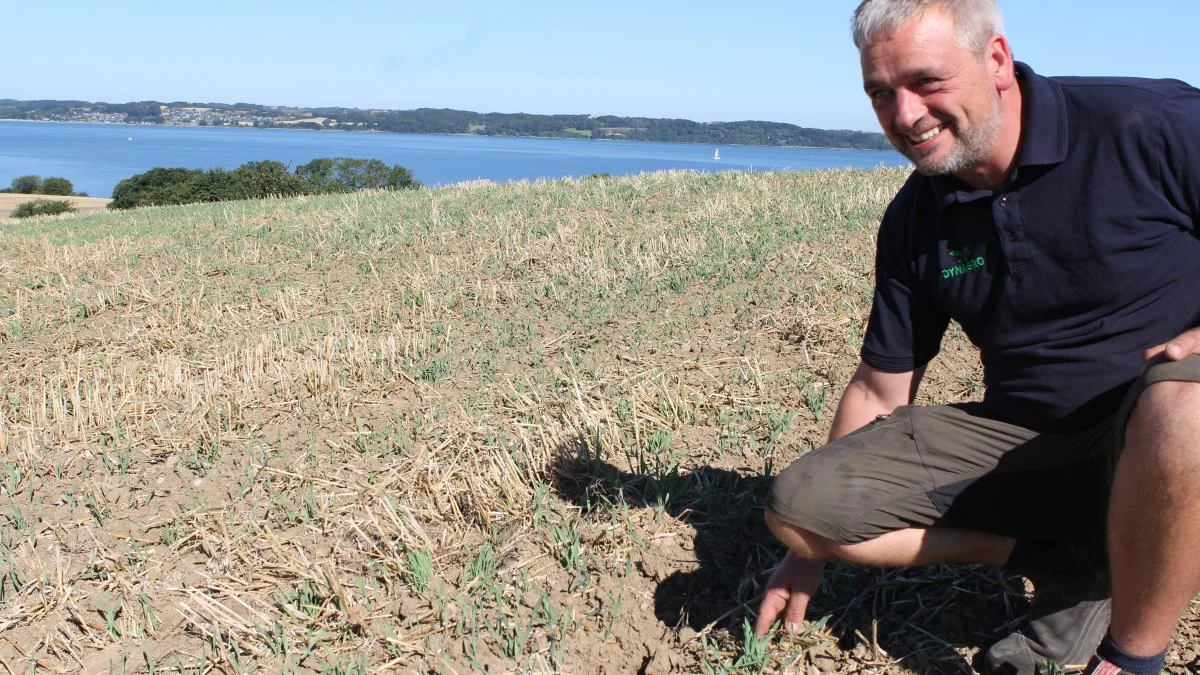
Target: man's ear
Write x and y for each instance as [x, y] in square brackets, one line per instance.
[999, 59]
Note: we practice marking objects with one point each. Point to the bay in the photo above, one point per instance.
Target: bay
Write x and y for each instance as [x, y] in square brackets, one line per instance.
[95, 157]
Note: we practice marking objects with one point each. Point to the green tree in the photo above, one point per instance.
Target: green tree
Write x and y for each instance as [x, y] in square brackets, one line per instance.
[27, 185]
[360, 174]
[158, 186]
[347, 174]
[214, 185]
[259, 180]
[318, 174]
[57, 186]
[400, 178]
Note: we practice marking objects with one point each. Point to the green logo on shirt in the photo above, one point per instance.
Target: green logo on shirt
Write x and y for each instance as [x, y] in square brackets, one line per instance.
[966, 263]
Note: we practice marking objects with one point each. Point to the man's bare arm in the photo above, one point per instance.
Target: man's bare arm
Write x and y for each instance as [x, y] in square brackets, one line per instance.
[870, 393]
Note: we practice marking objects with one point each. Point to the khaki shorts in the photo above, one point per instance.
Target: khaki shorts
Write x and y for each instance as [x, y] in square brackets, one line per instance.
[948, 466]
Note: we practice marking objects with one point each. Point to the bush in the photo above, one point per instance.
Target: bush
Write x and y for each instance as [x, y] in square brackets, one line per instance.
[43, 207]
[60, 187]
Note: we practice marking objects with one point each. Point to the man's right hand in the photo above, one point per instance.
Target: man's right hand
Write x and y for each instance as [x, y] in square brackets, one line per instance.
[788, 592]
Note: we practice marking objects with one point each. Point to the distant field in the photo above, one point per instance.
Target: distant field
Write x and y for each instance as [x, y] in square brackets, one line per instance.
[507, 428]
[9, 202]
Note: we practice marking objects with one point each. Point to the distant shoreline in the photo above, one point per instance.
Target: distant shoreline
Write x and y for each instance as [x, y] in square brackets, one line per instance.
[96, 157]
[431, 133]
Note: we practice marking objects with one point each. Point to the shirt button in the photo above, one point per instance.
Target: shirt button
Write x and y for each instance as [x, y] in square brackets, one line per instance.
[1003, 202]
[1012, 236]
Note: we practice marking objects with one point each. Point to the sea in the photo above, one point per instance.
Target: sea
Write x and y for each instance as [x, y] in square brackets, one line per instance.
[95, 157]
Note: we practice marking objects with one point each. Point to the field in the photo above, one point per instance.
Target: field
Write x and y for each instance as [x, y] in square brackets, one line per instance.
[9, 202]
[522, 427]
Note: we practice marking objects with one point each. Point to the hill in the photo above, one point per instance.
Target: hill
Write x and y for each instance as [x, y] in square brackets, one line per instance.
[516, 427]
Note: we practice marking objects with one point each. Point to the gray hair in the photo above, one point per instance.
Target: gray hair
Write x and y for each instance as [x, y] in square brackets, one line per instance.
[975, 21]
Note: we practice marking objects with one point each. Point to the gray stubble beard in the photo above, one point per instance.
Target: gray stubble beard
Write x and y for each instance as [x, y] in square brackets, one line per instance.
[971, 148]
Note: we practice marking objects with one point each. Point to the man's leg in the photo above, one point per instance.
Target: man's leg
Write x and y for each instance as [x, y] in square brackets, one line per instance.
[943, 485]
[1154, 517]
[910, 547]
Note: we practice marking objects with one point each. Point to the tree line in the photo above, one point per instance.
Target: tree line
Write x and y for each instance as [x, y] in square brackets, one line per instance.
[750, 132]
[36, 185]
[162, 186]
[449, 121]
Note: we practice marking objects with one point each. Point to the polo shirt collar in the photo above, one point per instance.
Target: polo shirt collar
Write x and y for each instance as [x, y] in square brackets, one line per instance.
[1043, 120]
[1043, 135]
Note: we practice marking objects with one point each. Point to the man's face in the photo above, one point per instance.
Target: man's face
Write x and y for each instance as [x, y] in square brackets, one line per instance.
[937, 103]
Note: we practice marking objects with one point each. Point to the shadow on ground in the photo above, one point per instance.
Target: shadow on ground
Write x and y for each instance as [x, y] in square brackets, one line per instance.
[929, 620]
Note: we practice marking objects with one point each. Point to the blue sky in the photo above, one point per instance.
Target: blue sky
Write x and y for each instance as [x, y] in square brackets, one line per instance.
[785, 61]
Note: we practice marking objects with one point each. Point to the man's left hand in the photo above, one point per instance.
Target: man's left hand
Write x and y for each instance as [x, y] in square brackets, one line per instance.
[1180, 348]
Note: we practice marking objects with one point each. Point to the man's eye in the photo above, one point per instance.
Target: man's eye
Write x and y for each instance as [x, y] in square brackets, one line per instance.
[879, 95]
[928, 82]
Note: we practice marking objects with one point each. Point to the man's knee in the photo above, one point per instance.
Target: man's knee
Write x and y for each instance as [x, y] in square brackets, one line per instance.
[1165, 408]
[808, 544]
[807, 499]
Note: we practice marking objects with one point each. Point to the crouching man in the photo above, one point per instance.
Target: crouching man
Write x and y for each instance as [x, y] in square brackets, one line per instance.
[1055, 219]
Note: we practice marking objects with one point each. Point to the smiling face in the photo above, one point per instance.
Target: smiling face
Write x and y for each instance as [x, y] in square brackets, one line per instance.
[938, 103]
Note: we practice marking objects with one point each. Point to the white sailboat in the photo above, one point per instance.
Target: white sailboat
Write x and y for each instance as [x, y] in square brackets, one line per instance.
[717, 153]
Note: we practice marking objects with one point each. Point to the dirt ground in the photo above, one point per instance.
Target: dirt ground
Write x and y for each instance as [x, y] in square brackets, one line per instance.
[9, 202]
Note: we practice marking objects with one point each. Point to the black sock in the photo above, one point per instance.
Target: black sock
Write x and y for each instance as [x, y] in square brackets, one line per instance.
[1110, 651]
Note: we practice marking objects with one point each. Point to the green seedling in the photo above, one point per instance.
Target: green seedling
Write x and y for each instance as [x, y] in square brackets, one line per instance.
[567, 547]
[110, 608]
[149, 619]
[755, 650]
[99, 513]
[814, 398]
[420, 568]
[482, 565]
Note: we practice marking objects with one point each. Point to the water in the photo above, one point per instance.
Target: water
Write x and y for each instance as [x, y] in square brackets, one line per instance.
[96, 156]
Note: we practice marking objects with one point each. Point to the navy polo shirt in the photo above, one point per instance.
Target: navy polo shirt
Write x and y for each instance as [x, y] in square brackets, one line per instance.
[1089, 254]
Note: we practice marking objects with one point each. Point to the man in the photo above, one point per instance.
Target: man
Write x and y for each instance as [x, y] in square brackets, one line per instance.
[1056, 221]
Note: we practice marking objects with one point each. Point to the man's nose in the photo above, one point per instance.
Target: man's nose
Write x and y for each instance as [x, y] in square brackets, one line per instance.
[909, 109]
